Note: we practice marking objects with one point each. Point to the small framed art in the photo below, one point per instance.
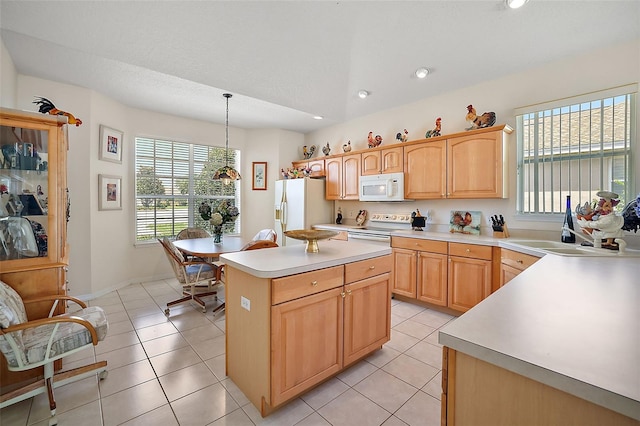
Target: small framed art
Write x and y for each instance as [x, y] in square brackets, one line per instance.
[259, 176]
[111, 142]
[109, 192]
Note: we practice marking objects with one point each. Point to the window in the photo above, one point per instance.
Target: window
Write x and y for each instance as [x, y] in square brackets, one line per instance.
[172, 180]
[576, 147]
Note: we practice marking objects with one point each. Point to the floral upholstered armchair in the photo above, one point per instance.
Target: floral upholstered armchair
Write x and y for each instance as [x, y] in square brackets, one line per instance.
[40, 342]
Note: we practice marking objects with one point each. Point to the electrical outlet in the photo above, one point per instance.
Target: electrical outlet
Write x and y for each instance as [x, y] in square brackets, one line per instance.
[352, 214]
[245, 303]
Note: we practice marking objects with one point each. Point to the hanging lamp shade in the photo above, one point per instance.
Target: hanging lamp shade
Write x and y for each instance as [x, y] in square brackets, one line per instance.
[226, 174]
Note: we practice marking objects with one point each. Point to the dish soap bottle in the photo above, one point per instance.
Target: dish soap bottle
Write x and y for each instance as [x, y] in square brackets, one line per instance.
[568, 237]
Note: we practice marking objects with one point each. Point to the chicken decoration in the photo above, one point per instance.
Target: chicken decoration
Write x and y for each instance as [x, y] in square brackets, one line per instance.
[487, 119]
[374, 142]
[47, 107]
[600, 221]
[308, 152]
[326, 150]
[402, 136]
[347, 147]
[436, 130]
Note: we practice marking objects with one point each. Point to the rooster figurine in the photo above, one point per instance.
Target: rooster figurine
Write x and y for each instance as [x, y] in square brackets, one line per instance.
[47, 107]
[402, 136]
[436, 131]
[326, 149]
[487, 119]
[347, 147]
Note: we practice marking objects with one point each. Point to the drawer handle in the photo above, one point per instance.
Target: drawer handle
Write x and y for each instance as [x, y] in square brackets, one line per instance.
[520, 261]
[314, 283]
[372, 267]
[468, 250]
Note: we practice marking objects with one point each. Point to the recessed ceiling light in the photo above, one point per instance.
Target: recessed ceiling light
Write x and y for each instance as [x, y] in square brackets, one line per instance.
[318, 117]
[422, 72]
[514, 4]
[363, 94]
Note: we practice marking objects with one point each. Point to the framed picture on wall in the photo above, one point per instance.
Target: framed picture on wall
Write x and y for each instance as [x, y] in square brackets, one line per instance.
[259, 176]
[111, 144]
[109, 192]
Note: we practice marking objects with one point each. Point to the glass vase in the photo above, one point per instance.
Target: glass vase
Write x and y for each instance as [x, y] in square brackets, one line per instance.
[217, 234]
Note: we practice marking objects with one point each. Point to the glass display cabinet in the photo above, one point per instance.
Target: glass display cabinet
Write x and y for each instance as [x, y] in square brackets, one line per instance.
[33, 210]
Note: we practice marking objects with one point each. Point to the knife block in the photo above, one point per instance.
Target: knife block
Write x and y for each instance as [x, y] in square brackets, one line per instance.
[501, 234]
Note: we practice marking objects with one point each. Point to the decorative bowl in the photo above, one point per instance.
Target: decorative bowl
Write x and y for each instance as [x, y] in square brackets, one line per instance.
[311, 236]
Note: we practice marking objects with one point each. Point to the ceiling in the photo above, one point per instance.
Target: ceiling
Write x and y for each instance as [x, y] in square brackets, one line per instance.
[287, 61]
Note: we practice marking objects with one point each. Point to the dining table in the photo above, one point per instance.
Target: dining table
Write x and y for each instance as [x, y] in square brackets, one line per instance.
[205, 247]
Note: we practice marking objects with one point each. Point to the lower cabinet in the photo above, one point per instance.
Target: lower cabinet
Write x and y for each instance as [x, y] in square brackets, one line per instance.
[299, 330]
[512, 263]
[454, 275]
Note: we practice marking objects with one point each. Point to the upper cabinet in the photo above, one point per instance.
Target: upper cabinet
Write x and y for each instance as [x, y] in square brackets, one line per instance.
[464, 165]
[316, 166]
[33, 183]
[387, 160]
[342, 173]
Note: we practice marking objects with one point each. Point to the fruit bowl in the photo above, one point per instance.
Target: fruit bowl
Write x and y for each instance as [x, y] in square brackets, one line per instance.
[311, 236]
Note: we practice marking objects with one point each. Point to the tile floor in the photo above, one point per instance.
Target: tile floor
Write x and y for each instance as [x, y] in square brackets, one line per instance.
[170, 371]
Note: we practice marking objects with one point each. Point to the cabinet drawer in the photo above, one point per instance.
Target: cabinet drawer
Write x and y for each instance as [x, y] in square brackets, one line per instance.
[419, 244]
[295, 286]
[517, 260]
[357, 271]
[470, 250]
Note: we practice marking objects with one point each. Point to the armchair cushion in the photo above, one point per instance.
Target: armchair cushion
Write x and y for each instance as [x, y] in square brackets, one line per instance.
[30, 344]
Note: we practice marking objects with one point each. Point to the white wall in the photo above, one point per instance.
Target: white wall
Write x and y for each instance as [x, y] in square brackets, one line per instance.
[573, 76]
[8, 78]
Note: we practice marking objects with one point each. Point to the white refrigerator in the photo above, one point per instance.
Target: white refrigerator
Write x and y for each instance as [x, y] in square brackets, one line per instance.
[300, 204]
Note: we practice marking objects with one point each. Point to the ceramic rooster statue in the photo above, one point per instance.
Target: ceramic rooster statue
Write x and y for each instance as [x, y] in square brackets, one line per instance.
[436, 130]
[308, 152]
[326, 150]
[402, 136]
[47, 107]
[347, 147]
[487, 119]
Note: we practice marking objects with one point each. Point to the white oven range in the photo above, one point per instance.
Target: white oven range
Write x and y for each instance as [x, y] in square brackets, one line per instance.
[379, 229]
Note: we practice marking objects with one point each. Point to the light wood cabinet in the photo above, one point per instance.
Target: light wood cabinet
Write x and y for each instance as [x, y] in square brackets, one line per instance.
[342, 174]
[469, 280]
[387, 160]
[316, 167]
[33, 175]
[464, 165]
[301, 329]
[453, 275]
[512, 263]
[420, 269]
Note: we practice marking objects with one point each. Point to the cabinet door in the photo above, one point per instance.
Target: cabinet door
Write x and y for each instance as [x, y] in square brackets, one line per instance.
[404, 267]
[469, 282]
[306, 343]
[392, 160]
[371, 164]
[432, 278]
[507, 273]
[350, 176]
[425, 170]
[333, 182]
[367, 316]
[317, 168]
[475, 166]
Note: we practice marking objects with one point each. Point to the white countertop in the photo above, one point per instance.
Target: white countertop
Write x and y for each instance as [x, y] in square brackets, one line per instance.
[572, 323]
[293, 259]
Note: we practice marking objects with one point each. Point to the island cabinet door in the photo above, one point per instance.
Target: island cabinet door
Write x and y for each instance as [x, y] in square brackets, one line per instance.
[404, 266]
[367, 316]
[306, 343]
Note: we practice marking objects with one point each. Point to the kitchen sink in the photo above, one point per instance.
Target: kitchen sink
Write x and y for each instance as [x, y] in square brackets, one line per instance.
[581, 251]
[540, 244]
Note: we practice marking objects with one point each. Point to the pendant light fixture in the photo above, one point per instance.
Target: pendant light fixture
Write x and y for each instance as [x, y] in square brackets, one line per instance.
[226, 174]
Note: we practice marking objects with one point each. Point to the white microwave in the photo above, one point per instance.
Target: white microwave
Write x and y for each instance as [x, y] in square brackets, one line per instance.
[384, 187]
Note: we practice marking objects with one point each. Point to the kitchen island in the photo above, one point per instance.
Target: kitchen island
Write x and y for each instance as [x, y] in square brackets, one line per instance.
[295, 319]
[558, 345]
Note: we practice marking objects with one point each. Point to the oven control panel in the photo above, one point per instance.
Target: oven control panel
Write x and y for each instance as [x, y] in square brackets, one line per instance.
[391, 217]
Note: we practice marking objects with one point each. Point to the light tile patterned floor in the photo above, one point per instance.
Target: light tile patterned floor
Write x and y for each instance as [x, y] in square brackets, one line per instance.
[170, 371]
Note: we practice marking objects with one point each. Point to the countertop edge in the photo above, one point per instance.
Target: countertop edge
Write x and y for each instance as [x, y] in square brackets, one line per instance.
[597, 395]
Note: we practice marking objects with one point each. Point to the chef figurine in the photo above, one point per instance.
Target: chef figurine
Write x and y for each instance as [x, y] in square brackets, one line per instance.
[339, 218]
